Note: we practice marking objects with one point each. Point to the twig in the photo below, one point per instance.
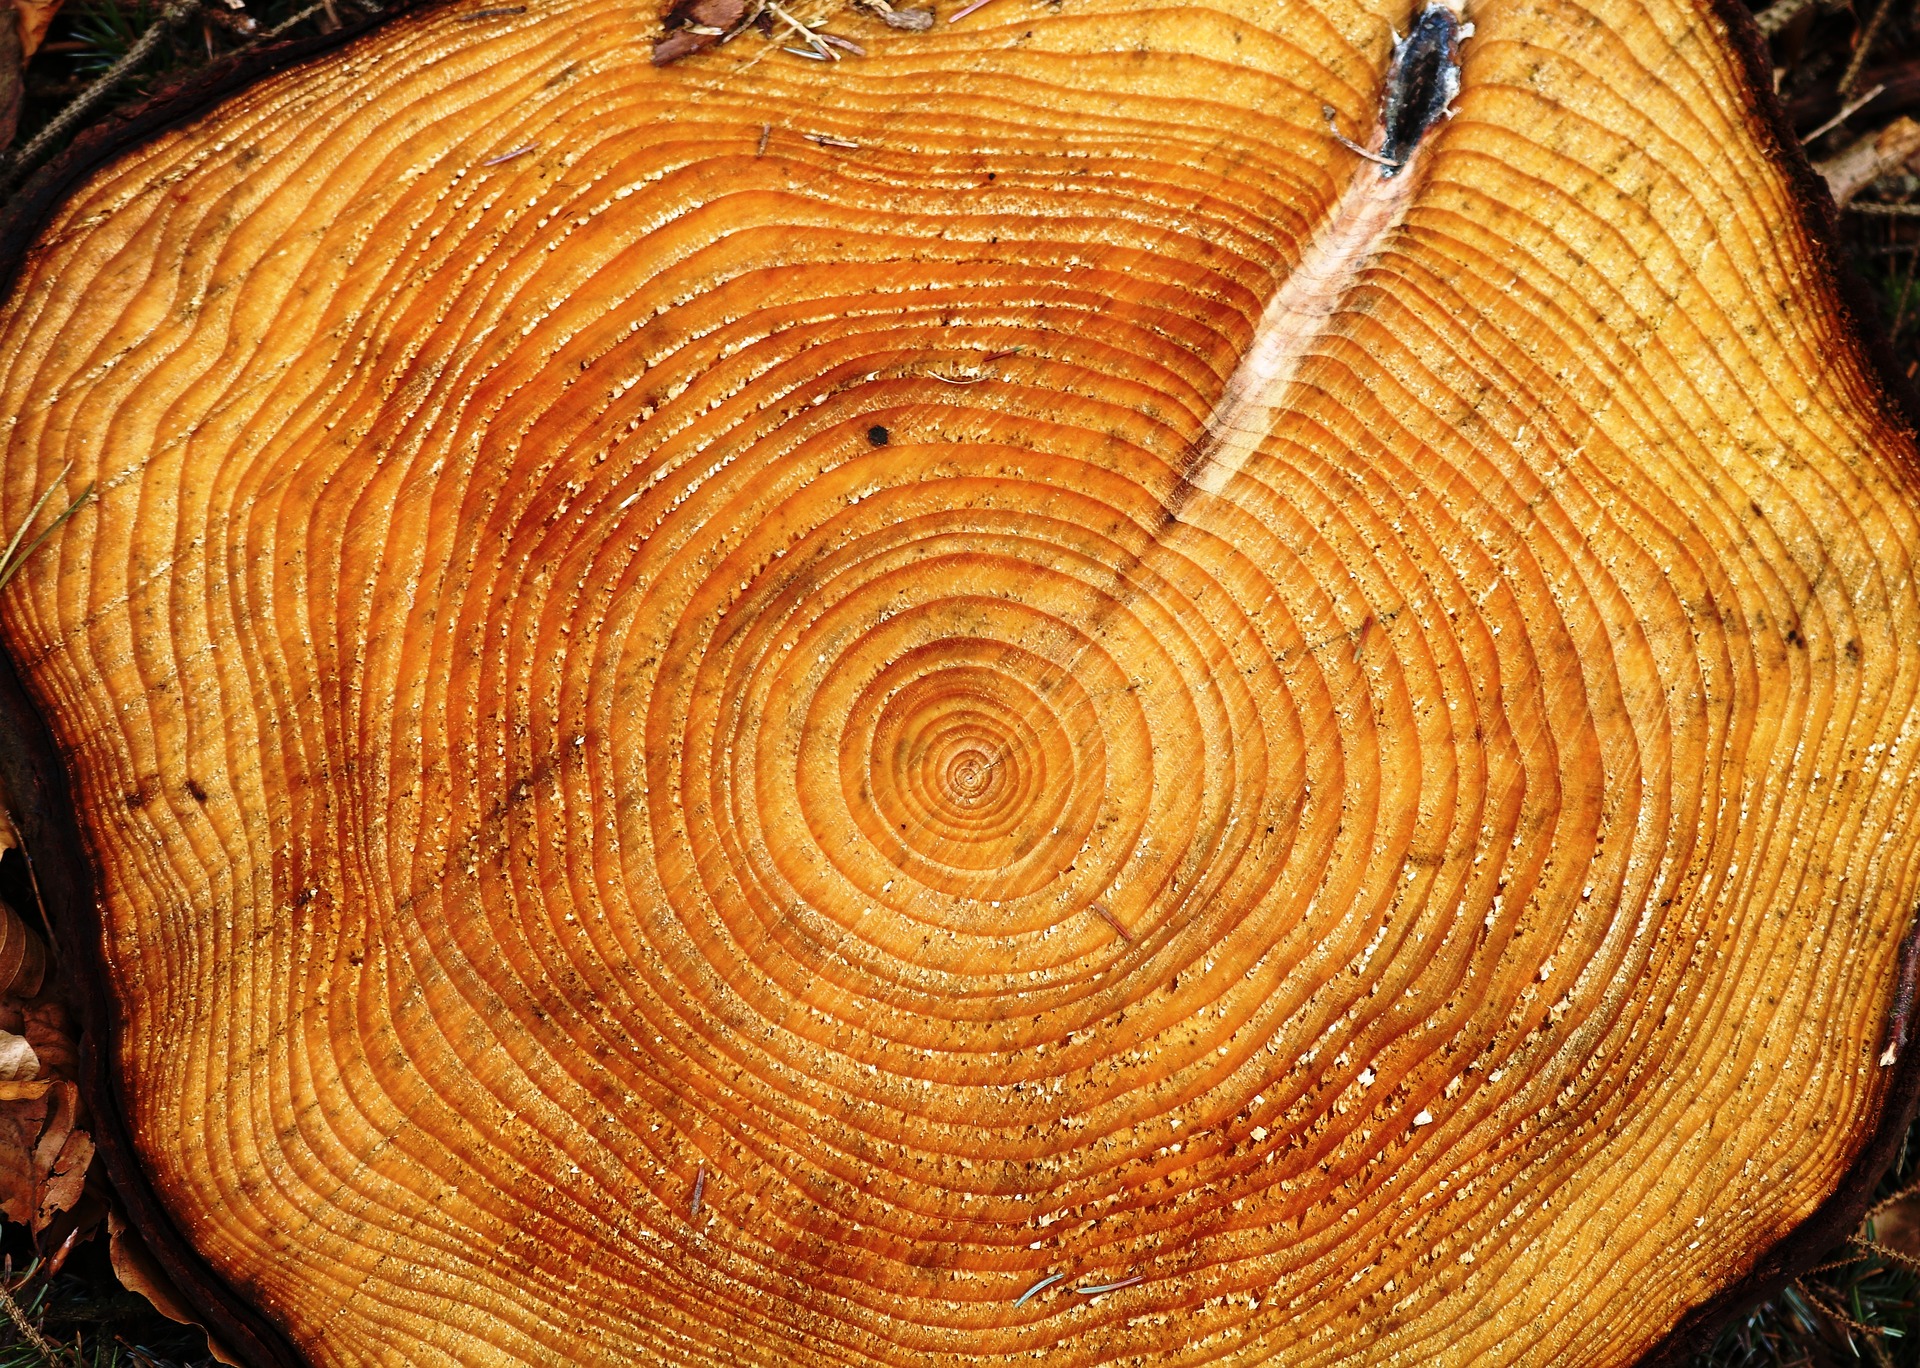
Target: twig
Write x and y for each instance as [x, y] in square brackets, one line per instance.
[1833, 1313]
[1866, 159]
[1777, 16]
[699, 1191]
[1868, 38]
[965, 10]
[801, 29]
[293, 22]
[28, 1330]
[1847, 111]
[83, 103]
[1887, 1252]
[1892, 1200]
[1892, 210]
[1831, 1265]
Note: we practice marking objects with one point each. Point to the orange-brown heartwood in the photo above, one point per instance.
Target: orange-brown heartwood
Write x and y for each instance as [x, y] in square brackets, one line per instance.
[797, 710]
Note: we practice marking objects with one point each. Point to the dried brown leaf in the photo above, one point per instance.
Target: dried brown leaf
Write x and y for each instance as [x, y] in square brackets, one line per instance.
[696, 25]
[49, 1027]
[60, 1157]
[725, 15]
[44, 1149]
[65, 1178]
[1897, 1225]
[139, 1271]
[36, 16]
[18, 1062]
[23, 957]
[21, 1124]
[44, 1155]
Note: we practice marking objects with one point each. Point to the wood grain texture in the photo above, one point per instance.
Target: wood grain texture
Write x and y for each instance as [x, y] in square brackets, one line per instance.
[664, 659]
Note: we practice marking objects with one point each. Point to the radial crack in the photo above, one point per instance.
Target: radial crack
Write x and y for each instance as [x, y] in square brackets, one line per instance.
[1421, 83]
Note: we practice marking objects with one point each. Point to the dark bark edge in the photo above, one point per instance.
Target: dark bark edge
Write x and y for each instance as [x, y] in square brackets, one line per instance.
[31, 206]
[43, 807]
[1840, 1214]
[42, 810]
[1814, 1238]
[32, 769]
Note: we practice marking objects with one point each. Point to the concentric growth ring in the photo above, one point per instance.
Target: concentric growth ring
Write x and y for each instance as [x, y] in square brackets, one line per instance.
[1330, 786]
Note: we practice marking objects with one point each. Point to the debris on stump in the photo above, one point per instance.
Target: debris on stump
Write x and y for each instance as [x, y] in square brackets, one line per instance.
[696, 25]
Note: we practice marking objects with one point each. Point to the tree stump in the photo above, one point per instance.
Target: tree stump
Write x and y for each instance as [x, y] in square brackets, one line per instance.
[981, 700]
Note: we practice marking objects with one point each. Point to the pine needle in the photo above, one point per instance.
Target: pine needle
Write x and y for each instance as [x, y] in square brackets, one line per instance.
[16, 555]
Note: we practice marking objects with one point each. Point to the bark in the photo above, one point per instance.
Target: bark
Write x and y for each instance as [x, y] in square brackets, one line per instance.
[13, 80]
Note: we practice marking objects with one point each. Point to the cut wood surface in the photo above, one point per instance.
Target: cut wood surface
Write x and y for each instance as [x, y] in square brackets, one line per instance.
[796, 712]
